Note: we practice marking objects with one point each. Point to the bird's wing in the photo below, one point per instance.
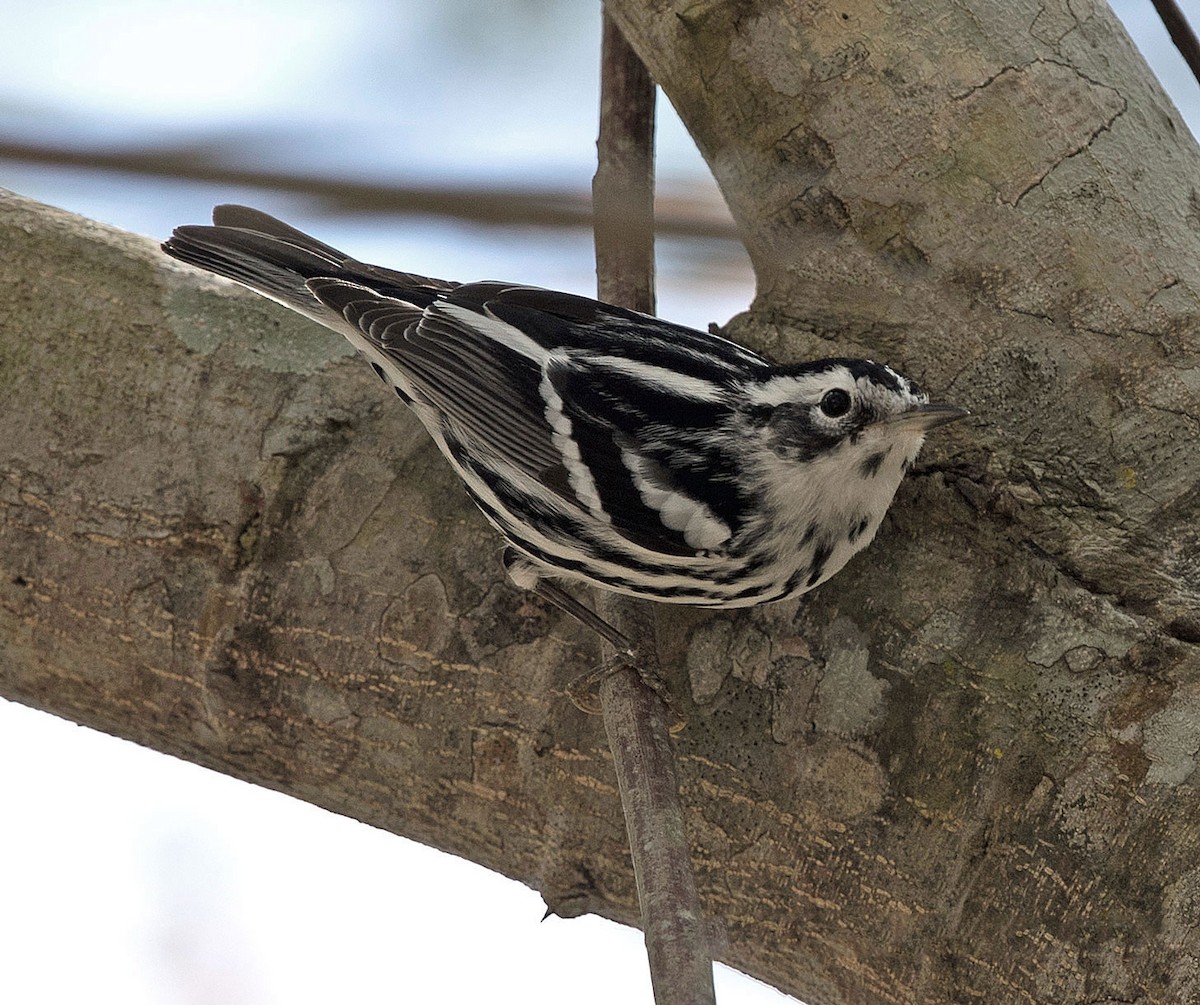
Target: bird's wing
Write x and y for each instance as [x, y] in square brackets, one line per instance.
[648, 403]
[657, 448]
[609, 419]
[609, 411]
[486, 392]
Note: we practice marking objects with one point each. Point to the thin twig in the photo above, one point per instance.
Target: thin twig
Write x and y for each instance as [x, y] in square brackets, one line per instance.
[637, 720]
[680, 215]
[623, 188]
[1181, 33]
[635, 717]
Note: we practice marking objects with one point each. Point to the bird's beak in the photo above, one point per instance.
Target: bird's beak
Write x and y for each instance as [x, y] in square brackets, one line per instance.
[926, 417]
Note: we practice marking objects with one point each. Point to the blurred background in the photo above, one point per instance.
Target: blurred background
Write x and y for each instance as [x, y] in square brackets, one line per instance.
[449, 137]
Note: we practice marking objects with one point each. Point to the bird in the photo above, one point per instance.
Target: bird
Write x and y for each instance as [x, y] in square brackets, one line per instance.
[607, 446]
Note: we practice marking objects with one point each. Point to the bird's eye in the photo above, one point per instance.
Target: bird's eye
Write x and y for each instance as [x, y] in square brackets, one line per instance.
[915, 389]
[835, 403]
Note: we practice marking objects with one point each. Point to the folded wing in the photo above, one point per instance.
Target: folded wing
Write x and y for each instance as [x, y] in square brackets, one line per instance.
[582, 418]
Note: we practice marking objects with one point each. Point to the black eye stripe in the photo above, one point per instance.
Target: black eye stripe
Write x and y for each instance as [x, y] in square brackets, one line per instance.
[835, 403]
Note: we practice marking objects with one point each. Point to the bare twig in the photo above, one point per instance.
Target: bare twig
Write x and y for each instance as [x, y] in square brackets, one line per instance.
[635, 716]
[637, 720]
[679, 215]
[1181, 33]
[623, 189]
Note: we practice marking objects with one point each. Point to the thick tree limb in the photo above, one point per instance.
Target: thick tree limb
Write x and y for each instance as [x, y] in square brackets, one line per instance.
[964, 770]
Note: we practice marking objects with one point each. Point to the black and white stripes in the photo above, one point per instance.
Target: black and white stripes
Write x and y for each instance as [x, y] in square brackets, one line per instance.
[606, 445]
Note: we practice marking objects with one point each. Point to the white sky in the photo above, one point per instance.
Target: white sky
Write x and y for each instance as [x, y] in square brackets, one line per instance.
[133, 878]
[130, 877]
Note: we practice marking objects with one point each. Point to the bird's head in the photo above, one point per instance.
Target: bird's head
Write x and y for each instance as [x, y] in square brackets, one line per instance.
[845, 407]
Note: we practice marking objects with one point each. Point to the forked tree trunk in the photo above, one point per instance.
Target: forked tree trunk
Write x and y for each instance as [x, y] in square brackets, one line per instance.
[963, 771]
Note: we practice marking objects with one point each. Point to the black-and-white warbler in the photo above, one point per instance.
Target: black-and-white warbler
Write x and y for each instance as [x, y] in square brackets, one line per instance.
[605, 445]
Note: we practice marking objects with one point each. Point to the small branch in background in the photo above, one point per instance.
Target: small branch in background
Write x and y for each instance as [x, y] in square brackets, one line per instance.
[636, 718]
[680, 214]
[623, 189]
[1181, 33]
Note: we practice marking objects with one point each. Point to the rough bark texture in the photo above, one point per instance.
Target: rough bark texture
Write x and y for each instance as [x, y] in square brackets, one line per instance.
[964, 770]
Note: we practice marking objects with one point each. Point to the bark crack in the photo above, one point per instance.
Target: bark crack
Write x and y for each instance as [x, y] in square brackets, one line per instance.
[1060, 103]
[1081, 148]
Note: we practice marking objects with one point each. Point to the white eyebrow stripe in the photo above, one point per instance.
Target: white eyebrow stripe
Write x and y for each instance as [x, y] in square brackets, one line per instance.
[806, 387]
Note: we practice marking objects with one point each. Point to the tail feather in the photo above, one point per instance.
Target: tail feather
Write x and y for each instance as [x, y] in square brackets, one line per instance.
[277, 260]
[247, 218]
[265, 264]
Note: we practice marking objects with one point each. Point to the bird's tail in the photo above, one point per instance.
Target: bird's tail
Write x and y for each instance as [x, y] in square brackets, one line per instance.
[255, 249]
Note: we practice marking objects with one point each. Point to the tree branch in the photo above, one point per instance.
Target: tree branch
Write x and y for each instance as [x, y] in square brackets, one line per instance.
[1181, 33]
[678, 214]
[962, 770]
[635, 716]
[636, 720]
[623, 188]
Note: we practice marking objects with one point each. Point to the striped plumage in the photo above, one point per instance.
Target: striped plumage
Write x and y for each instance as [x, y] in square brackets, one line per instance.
[606, 445]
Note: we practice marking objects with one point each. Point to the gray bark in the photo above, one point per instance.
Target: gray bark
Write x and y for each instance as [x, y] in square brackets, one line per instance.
[965, 769]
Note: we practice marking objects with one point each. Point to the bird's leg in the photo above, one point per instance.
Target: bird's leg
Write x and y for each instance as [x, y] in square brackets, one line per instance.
[560, 598]
[582, 690]
[525, 574]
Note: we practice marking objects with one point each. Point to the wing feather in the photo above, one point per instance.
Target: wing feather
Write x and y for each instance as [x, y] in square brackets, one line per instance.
[614, 413]
[653, 453]
[490, 394]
